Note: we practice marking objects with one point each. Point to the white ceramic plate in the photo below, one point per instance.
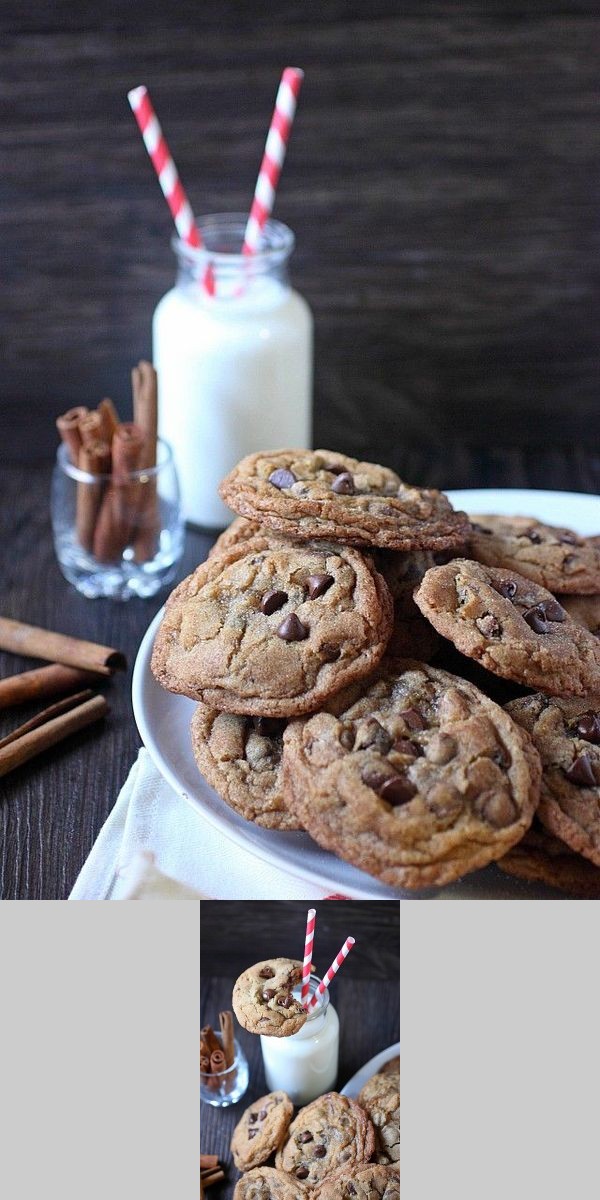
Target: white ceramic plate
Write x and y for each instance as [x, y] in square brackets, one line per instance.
[357, 1083]
[163, 721]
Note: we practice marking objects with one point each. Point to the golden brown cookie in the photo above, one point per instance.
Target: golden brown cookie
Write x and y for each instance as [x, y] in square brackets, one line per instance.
[263, 1001]
[417, 778]
[370, 1182]
[558, 559]
[265, 1183]
[330, 1133]
[380, 1098]
[542, 858]
[310, 494]
[261, 1130]
[273, 631]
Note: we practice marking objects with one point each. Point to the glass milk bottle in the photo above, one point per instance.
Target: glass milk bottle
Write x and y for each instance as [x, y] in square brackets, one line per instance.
[234, 359]
[305, 1064]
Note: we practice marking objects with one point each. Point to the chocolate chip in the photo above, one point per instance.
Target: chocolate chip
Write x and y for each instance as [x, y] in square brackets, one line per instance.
[267, 727]
[581, 772]
[271, 601]
[268, 993]
[588, 726]
[266, 973]
[533, 537]
[343, 485]
[252, 1118]
[347, 737]
[373, 777]
[262, 1114]
[301, 1172]
[317, 585]
[570, 539]
[253, 1132]
[320, 1151]
[506, 588]
[351, 1190]
[414, 719]
[397, 790]
[282, 478]
[404, 746]
[480, 528]
[292, 630]
[552, 610]
[372, 735]
[285, 1001]
[305, 1137]
[536, 619]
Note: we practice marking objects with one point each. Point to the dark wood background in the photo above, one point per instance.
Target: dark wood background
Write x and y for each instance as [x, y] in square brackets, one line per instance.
[365, 992]
[442, 181]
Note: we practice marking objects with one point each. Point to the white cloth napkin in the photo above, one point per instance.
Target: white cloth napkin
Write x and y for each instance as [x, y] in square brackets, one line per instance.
[156, 846]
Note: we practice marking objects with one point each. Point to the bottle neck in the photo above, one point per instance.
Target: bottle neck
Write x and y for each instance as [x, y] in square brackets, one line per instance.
[220, 271]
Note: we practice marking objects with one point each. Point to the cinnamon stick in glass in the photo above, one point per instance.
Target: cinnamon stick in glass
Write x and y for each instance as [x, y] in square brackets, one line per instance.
[90, 427]
[40, 683]
[94, 459]
[109, 417]
[208, 1162]
[29, 744]
[68, 427]
[114, 526]
[226, 1023]
[33, 642]
[210, 1039]
[144, 385]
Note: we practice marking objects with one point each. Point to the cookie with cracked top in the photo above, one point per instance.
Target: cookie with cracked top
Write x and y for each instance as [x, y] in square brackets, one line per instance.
[512, 626]
[370, 1182]
[261, 1130]
[380, 1098]
[331, 1133]
[240, 757]
[263, 1001]
[558, 559]
[417, 778]
[542, 858]
[320, 494]
[566, 734]
[273, 630]
[265, 1183]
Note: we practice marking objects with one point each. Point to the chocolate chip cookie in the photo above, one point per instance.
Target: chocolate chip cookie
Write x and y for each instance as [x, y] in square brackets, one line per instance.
[263, 1001]
[380, 1098]
[566, 734]
[412, 636]
[542, 858]
[370, 1182]
[265, 1183]
[417, 780]
[321, 494]
[585, 610]
[557, 559]
[273, 631]
[330, 1133]
[512, 626]
[391, 1067]
[241, 759]
[261, 1130]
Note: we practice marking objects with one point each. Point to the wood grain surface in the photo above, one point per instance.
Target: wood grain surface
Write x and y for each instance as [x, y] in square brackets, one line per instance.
[442, 180]
[52, 809]
[366, 996]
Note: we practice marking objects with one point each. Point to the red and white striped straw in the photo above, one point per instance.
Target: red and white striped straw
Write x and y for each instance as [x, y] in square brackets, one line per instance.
[333, 970]
[308, 947]
[274, 155]
[168, 177]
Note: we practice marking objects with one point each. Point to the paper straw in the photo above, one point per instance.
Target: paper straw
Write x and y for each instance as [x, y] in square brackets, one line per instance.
[162, 161]
[308, 946]
[334, 968]
[274, 155]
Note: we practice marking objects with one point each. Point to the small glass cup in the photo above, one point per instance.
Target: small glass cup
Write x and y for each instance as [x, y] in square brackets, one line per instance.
[222, 1088]
[117, 537]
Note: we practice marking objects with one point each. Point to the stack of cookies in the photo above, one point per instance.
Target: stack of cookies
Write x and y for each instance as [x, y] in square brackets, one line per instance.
[307, 639]
[334, 1148]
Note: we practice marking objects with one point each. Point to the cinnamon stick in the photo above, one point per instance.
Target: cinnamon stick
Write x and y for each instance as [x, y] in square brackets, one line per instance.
[109, 417]
[53, 710]
[226, 1023]
[94, 459]
[90, 427]
[68, 427]
[144, 385]
[211, 1177]
[205, 1064]
[217, 1061]
[33, 642]
[121, 501]
[28, 745]
[209, 1037]
[41, 683]
[208, 1161]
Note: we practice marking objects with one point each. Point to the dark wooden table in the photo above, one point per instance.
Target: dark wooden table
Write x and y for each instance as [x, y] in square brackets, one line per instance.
[52, 809]
[365, 992]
